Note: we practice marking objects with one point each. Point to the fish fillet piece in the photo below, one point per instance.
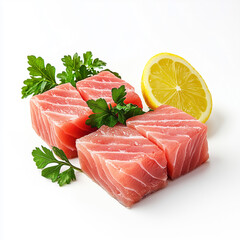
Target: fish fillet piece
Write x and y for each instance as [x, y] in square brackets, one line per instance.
[100, 86]
[123, 162]
[58, 117]
[179, 135]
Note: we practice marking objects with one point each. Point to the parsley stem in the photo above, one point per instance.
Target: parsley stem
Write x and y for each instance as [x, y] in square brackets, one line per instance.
[70, 165]
[76, 168]
[67, 163]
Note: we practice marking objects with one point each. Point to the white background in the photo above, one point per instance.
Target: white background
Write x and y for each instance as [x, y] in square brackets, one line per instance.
[204, 204]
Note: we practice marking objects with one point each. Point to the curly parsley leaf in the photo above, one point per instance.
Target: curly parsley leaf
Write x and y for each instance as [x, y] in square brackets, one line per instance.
[42, 78]
[45, 156]
[87, 56]
[67, 76]
[108, 115]
[97, 63]
[102, 114]
[66, 177]
[73, 62]
[77, 69]
[98, 106]
[52, 173]
[118, 94]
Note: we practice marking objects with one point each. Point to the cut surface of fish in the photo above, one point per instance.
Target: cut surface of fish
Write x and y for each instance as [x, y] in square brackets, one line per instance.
[179, 135]
[58, 117]
[123, 162]
[100, 86]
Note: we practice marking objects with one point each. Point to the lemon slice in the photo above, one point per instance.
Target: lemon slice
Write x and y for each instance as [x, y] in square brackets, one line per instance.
[170, 79]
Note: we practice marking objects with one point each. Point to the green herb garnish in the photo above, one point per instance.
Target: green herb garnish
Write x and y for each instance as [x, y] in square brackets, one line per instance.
[42, 78]
[45, 156]
[109, 115]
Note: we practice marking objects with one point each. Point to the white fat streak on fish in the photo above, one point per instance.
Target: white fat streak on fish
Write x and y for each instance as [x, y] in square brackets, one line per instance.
[137, 179]
[127, 136]
[141, 118]
[80, 109]
[163, 120]
[47, 128]
[148, 132]
[119, 152]
[46, 125]
[99, 82]
[140, 163]
[95, 79]
[94, 97]
[108, 161]
[95, 89]
[184, 147]
[112, 184]
[191, 149]
[41, 124]
[74, 94]
[111, 187]
[168, 135]
[136, 160]
[40, 121]
[52, 133]
[66, 98]
[175, 155]
[50, 136]
[71, 116]
[62, 104]
[66, 89]
[200, 138]
[170, 114]
[103, 90]
[97, 178]
[111, 163]
[117, 144]
[160, 142]
[159, 126]
[125, 187]
[88, 165]
[157, 162]
[94, 155]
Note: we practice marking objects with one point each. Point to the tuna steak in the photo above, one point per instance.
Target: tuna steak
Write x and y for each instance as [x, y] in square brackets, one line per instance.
[123, 162]
[182, 137]
[100, 86]
[59, 116]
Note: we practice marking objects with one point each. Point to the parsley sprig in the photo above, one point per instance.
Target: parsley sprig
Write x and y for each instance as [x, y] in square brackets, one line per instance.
[45, 156]
[43, 78]
[109, 115]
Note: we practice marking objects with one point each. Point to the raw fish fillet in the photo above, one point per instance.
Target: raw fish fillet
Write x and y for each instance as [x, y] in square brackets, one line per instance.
[100, 86]
[179, 135]
[123, 162]
[59, 116]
